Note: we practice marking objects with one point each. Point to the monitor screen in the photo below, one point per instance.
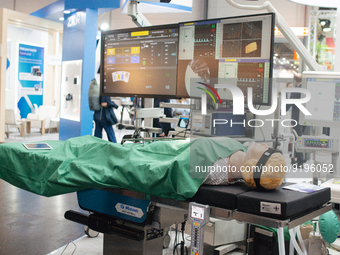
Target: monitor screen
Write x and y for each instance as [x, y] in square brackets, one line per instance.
[183, 122]
[140, 62]
[236, 50]
[324, 104]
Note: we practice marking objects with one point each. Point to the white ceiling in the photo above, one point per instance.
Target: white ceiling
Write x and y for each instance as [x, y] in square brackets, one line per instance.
[328, 3]
[25, 6]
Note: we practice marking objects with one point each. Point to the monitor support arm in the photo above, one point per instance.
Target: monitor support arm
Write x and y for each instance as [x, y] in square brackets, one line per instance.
[137, 17]
[286, 31]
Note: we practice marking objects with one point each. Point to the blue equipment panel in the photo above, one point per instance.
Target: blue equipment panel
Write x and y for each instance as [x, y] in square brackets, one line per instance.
[124, 207]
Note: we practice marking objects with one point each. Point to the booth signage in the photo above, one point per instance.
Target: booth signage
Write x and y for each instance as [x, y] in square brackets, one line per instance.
[73, 20]
[31, 78]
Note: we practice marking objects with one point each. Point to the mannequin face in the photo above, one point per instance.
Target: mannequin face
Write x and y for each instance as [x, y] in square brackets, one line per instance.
[255, 150]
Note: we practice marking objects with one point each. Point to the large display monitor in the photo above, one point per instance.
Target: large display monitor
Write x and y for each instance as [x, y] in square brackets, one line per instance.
[140, 62]
[235, 50]
[324, 104]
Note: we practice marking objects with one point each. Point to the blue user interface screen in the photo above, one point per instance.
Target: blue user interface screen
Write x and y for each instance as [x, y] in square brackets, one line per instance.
[140, 61]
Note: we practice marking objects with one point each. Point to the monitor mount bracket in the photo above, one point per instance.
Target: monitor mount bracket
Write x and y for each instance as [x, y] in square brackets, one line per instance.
[137, 17]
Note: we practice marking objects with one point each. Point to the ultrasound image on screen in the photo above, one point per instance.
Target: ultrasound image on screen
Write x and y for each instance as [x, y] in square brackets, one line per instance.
[251, 30]
[251, 48]
[232, 49]
[232, 31]
[238, 39]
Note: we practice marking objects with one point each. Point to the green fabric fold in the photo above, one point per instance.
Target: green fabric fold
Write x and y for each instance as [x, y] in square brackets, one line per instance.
[160, 168]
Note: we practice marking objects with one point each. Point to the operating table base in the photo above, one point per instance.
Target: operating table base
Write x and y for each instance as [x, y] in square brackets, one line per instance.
[118, 245]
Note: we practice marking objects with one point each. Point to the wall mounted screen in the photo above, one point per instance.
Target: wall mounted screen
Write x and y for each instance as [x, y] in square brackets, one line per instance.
[236, 50]
[140, 62]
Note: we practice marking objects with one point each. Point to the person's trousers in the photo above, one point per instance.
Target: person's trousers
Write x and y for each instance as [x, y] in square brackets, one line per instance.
[98, 131]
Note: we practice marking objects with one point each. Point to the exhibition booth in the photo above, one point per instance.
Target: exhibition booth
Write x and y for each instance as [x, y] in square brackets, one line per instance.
[246, 148]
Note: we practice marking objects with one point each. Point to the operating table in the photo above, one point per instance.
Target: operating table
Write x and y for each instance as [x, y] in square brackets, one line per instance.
[134, 223]
[132, 197]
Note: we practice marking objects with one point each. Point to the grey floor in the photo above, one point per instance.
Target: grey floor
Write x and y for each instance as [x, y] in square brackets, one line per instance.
[31, 224]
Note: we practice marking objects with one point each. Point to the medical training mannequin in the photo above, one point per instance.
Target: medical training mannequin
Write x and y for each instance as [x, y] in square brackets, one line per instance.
[241, 166]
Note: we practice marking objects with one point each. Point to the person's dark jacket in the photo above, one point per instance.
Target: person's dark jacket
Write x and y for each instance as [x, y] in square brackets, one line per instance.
[106, 115]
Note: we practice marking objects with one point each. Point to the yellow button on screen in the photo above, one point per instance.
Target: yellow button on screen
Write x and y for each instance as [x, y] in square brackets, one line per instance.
[111, 51]
[135, 50]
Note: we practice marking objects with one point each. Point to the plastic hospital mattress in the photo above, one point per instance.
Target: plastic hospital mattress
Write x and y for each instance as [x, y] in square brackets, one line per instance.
[281, 203]
[220, 196]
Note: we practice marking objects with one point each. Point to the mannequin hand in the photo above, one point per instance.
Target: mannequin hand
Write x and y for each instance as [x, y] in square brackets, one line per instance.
[104, 104]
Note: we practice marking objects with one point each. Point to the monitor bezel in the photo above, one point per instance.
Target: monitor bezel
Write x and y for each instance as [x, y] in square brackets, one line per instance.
[102, 62]
[271, 61]
[313, 122]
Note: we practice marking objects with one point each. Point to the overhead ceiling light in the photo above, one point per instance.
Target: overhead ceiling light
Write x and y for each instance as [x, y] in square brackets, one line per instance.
[67, 11]
[326, 29]
[104, 27]
[61, 18]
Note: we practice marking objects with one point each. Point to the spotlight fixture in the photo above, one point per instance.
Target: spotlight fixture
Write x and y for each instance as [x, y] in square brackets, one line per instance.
[325, 25]
[104, 27]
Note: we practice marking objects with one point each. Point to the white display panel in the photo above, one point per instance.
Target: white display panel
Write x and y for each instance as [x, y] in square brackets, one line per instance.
[71, 90]
[324, 104]
[197, 212]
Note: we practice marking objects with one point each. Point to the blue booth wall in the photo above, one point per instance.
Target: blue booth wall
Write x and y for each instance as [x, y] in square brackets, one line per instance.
[79, 43]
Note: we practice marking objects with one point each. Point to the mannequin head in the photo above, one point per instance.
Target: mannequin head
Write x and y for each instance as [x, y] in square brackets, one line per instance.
[255, 150]
[273, 173]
